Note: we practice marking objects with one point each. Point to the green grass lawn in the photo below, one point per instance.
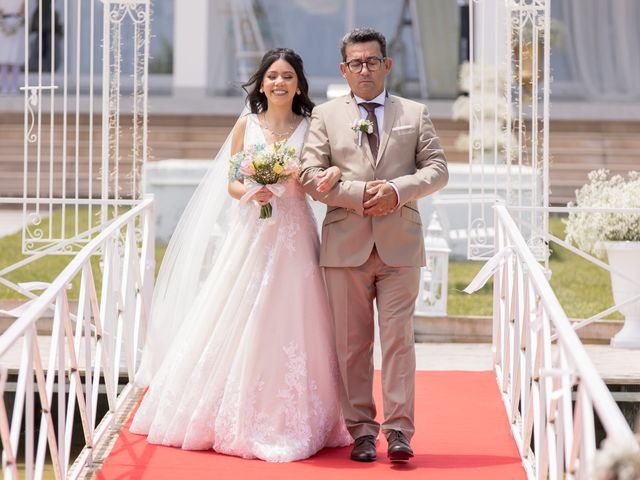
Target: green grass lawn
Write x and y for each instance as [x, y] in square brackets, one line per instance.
[49, 267]
[582, 288]
[463, 304]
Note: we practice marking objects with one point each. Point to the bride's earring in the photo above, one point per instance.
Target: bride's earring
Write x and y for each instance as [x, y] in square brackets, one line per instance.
[261, 90]
[298, 92]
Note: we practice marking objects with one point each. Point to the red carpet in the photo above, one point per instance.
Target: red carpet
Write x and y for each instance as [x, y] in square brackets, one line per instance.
[462, 432]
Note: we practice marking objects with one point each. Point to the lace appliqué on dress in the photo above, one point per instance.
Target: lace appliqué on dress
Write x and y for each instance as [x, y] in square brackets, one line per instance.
[296, 425]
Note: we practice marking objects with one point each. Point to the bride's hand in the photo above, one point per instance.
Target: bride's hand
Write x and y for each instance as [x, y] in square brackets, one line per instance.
[263, 196]
[328, 178]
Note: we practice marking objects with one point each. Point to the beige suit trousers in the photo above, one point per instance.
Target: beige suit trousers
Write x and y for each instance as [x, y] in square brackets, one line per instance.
[351, 292]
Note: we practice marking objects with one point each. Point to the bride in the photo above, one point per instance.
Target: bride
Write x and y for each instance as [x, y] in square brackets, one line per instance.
[239, 357]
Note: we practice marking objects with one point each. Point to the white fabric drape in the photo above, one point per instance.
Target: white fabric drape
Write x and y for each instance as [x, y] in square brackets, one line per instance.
[439, 27]
[602, 47]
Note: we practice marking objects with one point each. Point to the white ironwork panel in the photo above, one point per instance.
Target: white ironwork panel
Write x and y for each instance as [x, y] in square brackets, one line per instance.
[82, 158]
[508, 87]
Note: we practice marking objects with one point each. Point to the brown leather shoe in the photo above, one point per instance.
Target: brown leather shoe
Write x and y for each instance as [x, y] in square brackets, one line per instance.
[399, 449]
[364, 449]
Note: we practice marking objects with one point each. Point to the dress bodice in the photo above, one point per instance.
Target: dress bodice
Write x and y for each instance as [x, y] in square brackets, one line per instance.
[254, 135]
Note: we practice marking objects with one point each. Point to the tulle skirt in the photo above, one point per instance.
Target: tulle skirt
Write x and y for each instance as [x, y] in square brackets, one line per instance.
[252, 371]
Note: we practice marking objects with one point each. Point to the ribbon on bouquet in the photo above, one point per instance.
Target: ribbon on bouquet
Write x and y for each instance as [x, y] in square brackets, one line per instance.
[253, 187]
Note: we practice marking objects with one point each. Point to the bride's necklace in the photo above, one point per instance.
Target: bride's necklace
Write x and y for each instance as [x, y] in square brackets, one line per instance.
[277, 135]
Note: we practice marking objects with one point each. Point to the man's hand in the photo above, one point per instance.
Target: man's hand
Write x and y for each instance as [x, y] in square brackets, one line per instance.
[380, 198]
[370, 189]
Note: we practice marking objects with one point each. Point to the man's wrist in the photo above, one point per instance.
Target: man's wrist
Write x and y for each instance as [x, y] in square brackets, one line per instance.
[395, 188]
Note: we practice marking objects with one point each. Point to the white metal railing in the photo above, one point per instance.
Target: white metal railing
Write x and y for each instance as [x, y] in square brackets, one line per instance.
[540, 364]
[63, 156]
[89, 349]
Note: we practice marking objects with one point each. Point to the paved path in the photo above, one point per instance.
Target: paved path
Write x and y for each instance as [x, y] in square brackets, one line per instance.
[615, 365]
[449, 356]
[10, 221]
[429, 356]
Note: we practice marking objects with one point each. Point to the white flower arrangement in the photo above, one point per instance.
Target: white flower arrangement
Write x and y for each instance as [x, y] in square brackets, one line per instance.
[487, 90]
[617, 461]
[485, 77]
[587, 230]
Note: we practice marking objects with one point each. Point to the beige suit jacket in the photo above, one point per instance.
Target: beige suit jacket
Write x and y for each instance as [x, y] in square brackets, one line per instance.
[409, 155]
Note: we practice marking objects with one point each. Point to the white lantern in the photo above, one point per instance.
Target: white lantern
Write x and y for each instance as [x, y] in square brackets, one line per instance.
[434, 277]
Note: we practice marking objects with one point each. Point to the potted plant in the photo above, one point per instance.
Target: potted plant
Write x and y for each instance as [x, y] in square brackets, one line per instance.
[616, 235]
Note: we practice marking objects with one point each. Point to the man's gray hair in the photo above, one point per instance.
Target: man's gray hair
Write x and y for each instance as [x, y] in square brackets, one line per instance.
[362, 35]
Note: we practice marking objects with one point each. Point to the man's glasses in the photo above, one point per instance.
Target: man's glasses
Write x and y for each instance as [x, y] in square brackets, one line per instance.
[373, 64]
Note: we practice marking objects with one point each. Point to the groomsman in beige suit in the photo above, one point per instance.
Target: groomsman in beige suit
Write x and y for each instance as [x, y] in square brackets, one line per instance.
[372, 245]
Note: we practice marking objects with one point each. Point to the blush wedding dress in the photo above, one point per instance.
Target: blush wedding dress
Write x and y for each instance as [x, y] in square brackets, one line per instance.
[251, 371]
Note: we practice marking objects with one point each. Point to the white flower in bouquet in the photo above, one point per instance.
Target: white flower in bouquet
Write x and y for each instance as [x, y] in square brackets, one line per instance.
[587, 230]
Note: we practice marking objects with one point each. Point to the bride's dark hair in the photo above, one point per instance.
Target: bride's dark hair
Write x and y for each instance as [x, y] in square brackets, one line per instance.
[302, 104]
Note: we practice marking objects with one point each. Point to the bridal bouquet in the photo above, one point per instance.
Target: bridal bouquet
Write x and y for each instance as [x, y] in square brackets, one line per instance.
[588, 230]
[266, 166]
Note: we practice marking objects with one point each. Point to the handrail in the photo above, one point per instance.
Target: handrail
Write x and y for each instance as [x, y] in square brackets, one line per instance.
[537, 376]
[42, 303]
[103, 332]
[606, 406]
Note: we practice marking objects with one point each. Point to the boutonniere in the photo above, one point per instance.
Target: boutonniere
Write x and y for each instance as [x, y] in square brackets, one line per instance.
[362, 126]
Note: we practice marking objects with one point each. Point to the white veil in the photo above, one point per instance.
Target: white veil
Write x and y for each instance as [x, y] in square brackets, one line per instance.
[187, 262]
